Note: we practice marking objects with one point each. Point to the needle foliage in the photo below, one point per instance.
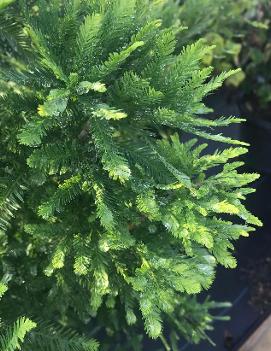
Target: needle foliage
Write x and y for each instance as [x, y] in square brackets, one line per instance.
[109, 221]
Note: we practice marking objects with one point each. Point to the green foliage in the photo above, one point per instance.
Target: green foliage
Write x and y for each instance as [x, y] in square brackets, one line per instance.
[111, 222]
[43, 337]
[222, 23]
[240, 33]
[256, 59]
[5, 3]
[11, 195]
[14, 335]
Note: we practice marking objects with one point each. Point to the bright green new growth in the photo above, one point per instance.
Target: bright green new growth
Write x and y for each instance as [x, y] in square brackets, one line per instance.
[108, 213]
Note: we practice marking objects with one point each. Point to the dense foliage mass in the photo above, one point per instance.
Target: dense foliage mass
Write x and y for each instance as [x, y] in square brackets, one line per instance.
[240, 32]
[107, 218]
[229, 25]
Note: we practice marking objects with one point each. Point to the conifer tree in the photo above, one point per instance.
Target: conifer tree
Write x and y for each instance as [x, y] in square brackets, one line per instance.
[108, 220]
